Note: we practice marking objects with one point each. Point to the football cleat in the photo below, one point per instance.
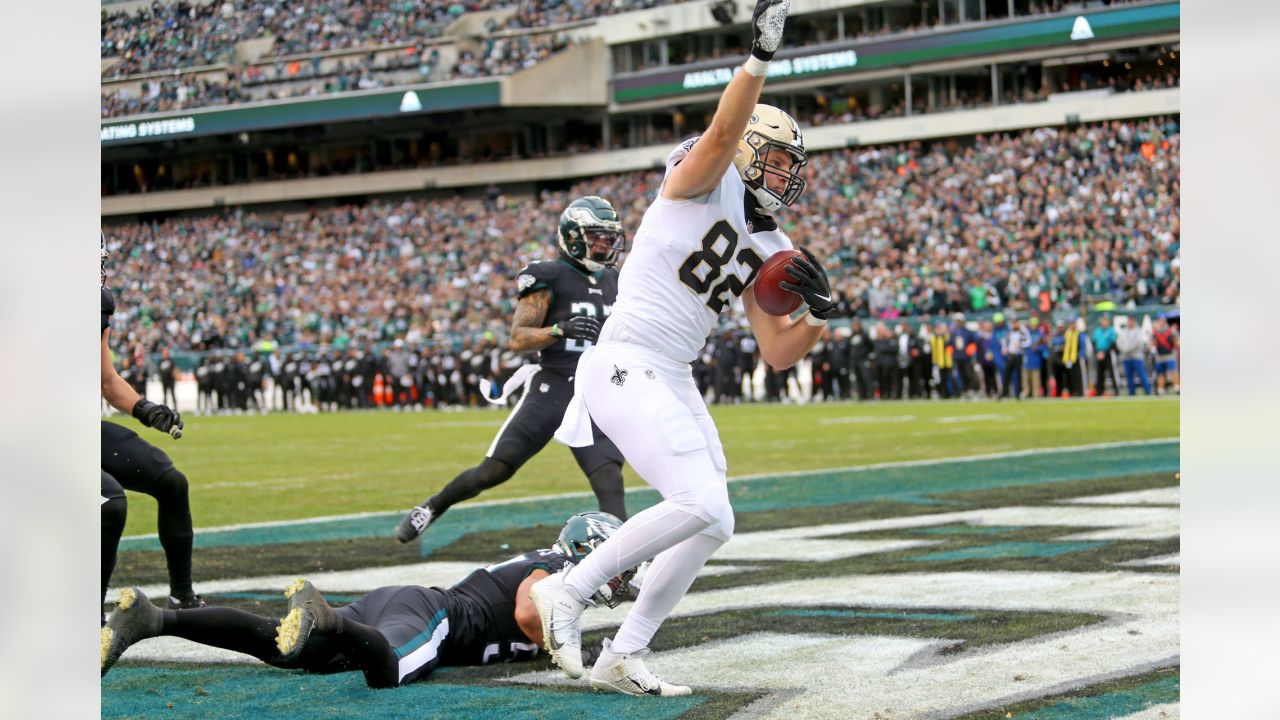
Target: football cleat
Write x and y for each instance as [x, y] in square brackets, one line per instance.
[418, 519]
[134, 619]
[186, 603]
[560, 611]
[628, 675]
[307, 612]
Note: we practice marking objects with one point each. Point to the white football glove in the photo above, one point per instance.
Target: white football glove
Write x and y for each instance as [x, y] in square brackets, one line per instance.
[766, 27]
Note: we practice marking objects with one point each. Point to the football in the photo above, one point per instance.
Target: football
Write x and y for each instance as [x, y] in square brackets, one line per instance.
[769, 295]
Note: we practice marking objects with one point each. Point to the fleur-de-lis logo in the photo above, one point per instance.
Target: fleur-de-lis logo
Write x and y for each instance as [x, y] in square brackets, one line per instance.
[619, 376]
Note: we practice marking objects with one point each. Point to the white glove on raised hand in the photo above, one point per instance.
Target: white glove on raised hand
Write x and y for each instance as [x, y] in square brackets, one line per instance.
[766, 27]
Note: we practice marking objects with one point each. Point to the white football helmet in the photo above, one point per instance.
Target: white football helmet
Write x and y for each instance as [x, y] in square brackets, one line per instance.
[770, 128]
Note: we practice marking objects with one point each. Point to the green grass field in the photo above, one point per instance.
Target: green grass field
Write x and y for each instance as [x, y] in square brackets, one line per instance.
[260, 468]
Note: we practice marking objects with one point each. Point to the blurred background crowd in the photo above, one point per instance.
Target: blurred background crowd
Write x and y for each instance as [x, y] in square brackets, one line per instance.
[1048, 223]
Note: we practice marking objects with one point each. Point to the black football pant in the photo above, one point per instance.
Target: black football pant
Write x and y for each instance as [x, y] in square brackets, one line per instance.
[527, 430]
[131, 463]
[1107, 370]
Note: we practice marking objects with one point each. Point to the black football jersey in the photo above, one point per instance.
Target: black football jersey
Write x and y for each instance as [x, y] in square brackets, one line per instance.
[573, 292]
[482, 625]
[108, 308]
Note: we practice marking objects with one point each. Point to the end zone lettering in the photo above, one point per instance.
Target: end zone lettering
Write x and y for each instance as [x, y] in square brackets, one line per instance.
[150, 128]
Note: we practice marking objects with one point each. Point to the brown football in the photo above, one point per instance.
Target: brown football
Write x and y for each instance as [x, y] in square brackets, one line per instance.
[769, 296]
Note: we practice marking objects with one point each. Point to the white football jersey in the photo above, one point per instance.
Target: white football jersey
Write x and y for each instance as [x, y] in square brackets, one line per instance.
[688, 261]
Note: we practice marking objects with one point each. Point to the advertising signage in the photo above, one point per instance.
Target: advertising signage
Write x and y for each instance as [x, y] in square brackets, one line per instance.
[311, 111]
[855, 56]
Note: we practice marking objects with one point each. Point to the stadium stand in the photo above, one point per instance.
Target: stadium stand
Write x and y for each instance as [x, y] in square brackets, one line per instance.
[910, 229]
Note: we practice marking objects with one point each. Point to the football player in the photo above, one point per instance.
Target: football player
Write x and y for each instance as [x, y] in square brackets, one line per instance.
[700, 245]
[395, 635]
[131, 463]
[560, 306]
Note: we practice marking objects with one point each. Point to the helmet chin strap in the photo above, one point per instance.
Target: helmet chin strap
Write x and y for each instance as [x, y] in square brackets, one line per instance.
[767, 202]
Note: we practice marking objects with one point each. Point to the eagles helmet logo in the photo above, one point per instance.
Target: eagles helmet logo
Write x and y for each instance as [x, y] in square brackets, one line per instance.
[590, 234]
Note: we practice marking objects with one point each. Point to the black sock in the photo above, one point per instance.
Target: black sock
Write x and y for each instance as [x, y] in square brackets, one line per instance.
[227, 628]
[368, 649]
[606, 483]
[470, 483]
[114, 512]
[174, 528]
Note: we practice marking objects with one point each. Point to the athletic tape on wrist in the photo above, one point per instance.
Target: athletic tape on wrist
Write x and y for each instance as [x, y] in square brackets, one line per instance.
[755, 66]
[814, 320]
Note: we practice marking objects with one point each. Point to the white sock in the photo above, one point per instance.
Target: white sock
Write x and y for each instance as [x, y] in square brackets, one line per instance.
[641, 537]
[667, 581]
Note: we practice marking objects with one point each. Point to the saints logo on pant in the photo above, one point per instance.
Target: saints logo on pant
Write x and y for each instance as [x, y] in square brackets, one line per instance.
[619, 376]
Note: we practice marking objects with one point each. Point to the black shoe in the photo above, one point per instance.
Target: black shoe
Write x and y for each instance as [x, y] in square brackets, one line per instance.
[307, 611]
[187, 602]
[134, 619]
[418, 519]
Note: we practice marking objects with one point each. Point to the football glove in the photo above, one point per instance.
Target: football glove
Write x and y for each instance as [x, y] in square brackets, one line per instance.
[160, 417]
[766, 27]
[578, 327]
[811, 285]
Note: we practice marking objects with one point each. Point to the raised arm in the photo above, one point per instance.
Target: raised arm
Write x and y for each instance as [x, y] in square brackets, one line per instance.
[700, 171]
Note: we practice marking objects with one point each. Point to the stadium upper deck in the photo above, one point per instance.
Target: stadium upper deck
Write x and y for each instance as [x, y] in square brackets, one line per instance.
[628, 85]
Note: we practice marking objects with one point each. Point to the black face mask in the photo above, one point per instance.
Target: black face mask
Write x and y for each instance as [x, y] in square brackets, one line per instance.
[757, 221]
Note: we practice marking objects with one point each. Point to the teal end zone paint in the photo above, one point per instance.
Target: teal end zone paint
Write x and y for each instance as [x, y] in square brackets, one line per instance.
[1117, 703]
[828, 487]
[966, 530]
[914, 499]
[264, 693]
[919, 616]
[1009, 550]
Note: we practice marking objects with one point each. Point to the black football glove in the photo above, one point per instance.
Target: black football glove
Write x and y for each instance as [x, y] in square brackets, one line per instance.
[160, 417]
[811, 285]
[766, 27]
[578, 327]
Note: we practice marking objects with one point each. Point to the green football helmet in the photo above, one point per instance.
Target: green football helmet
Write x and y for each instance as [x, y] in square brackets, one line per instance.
[585, 532]
[591, 234]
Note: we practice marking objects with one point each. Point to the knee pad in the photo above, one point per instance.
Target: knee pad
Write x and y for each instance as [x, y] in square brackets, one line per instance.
[171, 485]
[114, 513]
[711, 503]
[722, 528]
[493, 472]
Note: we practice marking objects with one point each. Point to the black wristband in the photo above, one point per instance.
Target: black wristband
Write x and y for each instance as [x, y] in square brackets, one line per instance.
[141, 408]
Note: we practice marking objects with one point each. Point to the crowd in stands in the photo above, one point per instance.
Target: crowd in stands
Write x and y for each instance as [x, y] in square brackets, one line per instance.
[162, 38]
[830, 111]
[181, 35]
[1033, 223]
[295, 78]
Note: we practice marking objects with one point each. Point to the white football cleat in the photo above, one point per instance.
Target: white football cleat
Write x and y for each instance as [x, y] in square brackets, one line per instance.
[628, 675]
[560, 612]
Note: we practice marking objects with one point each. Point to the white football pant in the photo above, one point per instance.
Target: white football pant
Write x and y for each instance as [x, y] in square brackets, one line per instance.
[649, 405]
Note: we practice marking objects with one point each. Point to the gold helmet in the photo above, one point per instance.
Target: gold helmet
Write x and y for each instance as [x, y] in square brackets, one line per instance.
[770, 128]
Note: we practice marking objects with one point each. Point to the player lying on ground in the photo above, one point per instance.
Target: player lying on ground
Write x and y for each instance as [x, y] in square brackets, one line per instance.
[131, 463]
[560, 306]
[396, 634]
[700, 245]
